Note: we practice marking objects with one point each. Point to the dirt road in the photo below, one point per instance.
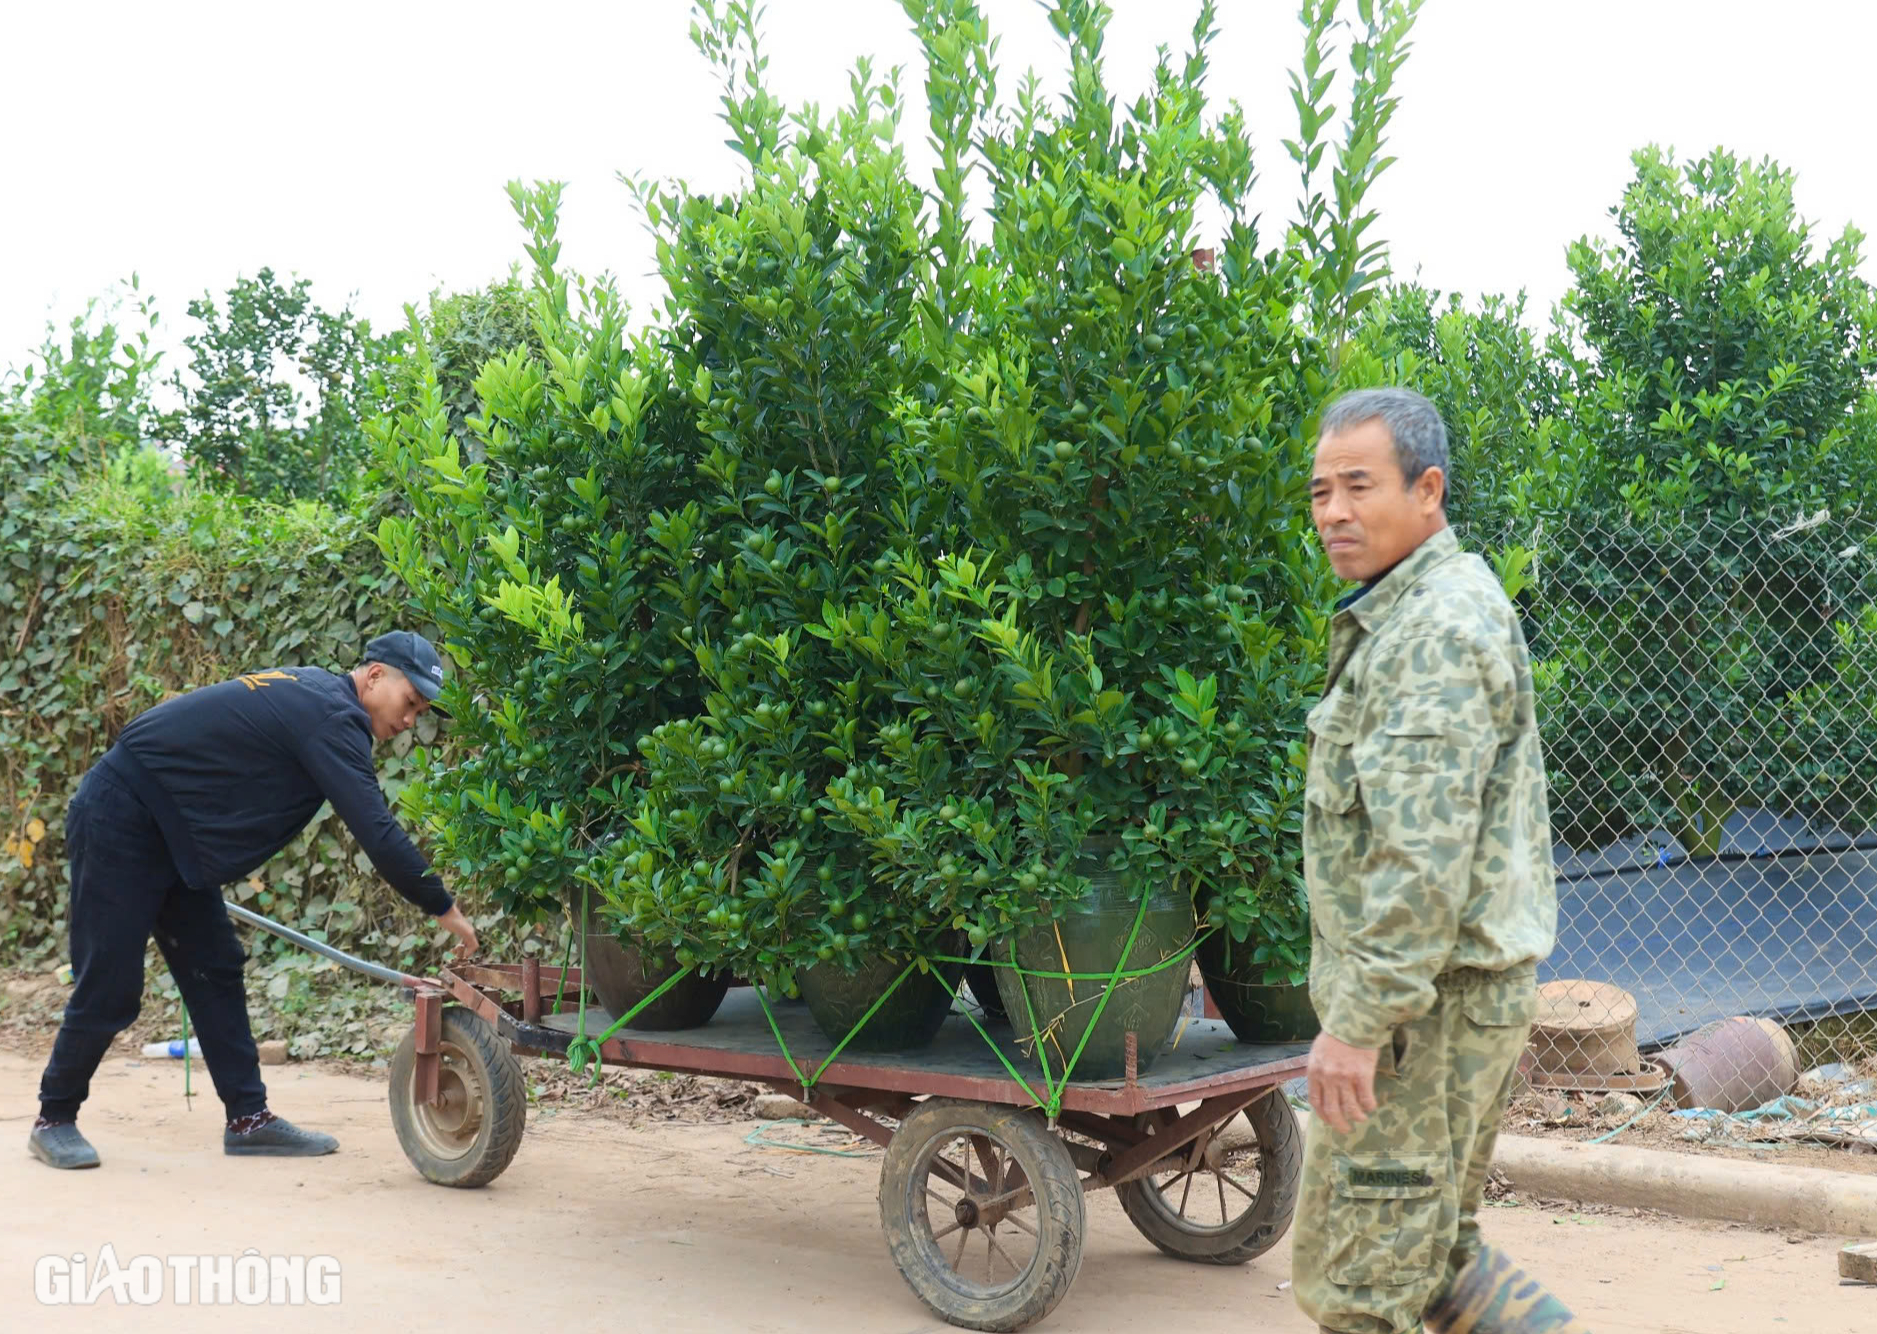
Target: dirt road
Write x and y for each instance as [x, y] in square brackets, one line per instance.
[598, 1226]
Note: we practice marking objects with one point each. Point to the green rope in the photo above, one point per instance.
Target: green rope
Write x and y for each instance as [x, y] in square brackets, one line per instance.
[187, 1064]
[580, 1038]
[1054, 1088]
[1042, 1054]
[584, 1049]
[759, 1138]
[782, 1042]
[808, 1081]
[1055, 1096]
[1125, 974]
[991, 1042]
[873, 1009]
[1648, 1107]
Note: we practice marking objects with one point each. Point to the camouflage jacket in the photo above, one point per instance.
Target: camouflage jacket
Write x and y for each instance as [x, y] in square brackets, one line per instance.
[1427, 841]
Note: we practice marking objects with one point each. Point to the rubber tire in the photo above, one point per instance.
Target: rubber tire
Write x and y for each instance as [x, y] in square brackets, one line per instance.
[504, 1092]
[1260, 1227]
[1060, 1216]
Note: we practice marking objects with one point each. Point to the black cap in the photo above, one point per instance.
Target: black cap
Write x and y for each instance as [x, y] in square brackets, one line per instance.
[413, 655]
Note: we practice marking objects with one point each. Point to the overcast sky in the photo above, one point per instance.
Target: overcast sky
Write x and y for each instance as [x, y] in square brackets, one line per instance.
[366, 146]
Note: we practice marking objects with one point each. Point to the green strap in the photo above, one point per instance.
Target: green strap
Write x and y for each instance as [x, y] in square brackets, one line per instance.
[991, 1042]
[580, 928]
[187, 1064]
[841, 1046]
[560, 987]
[769, 1014]
[1180, 955]
[584, 1049]
[1036, 1038]
[808, 1081]
[760, 1139]
[1055, 1096]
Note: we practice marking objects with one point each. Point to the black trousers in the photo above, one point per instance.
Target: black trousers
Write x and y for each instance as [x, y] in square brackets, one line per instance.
[125, 889]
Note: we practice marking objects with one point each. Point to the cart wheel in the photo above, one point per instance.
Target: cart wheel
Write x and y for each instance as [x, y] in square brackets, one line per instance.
[1228, 1205]
[472, 1132]
[982, 1210]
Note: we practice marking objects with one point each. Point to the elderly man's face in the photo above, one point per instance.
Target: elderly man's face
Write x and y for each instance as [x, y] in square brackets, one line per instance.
[1366, 514]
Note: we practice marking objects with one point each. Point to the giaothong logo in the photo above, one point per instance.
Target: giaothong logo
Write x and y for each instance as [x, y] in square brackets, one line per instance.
[248, 1279]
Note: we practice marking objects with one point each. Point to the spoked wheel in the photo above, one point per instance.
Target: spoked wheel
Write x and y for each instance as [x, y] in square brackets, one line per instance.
[982, 1210]
[1216, 1204]
[472, 1131]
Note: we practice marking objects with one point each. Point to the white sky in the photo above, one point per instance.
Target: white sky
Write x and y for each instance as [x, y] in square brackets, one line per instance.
[366, 146]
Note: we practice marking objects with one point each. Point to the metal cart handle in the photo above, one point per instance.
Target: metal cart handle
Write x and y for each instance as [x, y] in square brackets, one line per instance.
[332, 952]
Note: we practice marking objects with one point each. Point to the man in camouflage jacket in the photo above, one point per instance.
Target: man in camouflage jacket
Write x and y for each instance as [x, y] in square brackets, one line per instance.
[1427, 851]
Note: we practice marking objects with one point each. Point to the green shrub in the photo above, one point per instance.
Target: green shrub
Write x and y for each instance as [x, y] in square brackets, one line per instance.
[278, 391]
[1122, 625]
[539, 566]
[118, 588]
[1703, 583]
[464, 331]
[831, 618]
[91, 386]
[1727, 363]
[739, 479]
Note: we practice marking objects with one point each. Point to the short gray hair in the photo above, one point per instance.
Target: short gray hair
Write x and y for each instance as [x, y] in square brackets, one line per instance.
[1413, 424]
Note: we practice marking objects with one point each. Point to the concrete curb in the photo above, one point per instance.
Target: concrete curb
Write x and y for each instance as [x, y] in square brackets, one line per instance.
[1804, 1199]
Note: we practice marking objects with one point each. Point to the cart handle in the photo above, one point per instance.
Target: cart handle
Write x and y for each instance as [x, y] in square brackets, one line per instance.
[332, 952]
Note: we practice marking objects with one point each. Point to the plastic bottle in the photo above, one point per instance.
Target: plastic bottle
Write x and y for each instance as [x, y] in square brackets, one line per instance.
[172, 1048]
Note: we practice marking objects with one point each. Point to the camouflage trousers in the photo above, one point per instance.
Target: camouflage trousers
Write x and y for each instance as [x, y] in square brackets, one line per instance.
[1386, 1216]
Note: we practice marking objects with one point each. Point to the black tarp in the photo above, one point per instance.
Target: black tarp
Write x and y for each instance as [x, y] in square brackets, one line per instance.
[1782, 925]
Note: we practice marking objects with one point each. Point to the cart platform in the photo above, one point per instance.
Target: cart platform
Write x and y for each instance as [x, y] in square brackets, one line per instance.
[1203, 1061]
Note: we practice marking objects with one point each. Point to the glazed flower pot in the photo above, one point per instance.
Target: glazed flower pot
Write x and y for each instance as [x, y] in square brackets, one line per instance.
[1091, 937]
[622, 976]
[1254, 1011]
[909, 1018]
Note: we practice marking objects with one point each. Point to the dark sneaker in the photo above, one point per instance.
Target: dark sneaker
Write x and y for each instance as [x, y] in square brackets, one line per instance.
[278, 1138]
[62, 1146]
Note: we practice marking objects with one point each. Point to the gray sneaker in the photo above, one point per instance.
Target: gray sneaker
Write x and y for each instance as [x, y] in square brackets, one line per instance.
[62, 1146]
[279, 1138]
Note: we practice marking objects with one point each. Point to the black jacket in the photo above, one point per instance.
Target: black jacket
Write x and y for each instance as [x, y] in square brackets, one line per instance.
[232, 772]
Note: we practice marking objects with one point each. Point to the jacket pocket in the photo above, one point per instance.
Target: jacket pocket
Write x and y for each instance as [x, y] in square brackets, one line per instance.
[1331, 780]
[1384, 1218]
[1413, 735]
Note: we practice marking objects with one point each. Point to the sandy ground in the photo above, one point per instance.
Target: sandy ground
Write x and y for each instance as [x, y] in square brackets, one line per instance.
[601, 1225]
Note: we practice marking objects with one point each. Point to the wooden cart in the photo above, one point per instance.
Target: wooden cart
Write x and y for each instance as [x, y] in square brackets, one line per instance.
[981, 1196]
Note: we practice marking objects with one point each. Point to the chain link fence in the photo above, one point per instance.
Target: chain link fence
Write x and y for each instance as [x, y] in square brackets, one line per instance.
[1708, 701]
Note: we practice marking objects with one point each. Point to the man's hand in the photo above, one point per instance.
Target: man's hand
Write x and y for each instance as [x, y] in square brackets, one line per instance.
[458, 925]
[1342, 1082]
